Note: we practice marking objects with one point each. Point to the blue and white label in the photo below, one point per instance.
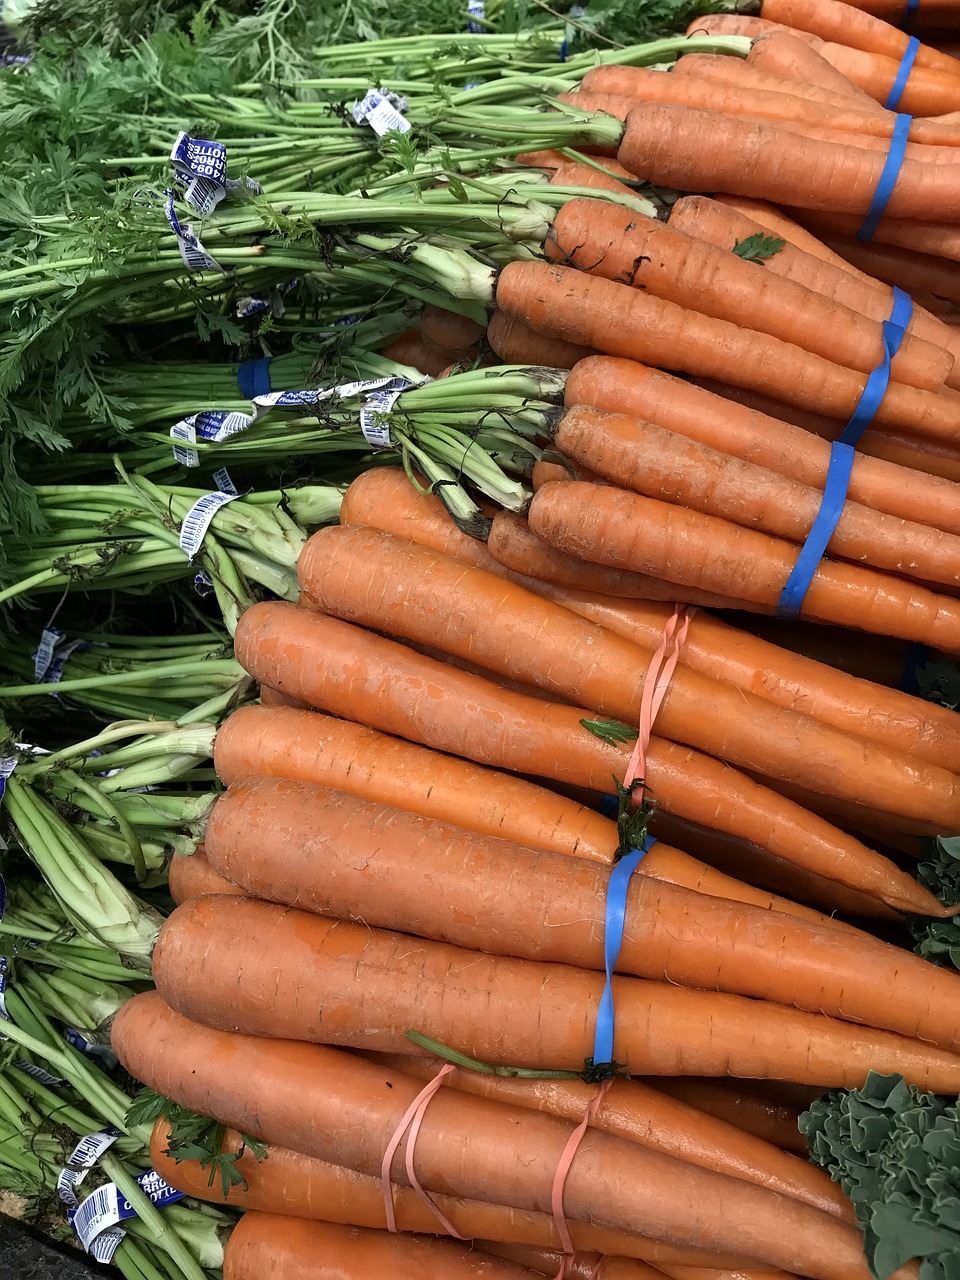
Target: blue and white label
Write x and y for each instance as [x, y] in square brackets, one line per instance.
[192, 251]
[106, 1207]
[224, 482]
[52, 653]
[197, 520]
[252, 305]
[476, 9]
[375, 432]
[201, 166]
[82, 1159]
[213, 425]
[7, 767]
[382, 111]
[101, 1054]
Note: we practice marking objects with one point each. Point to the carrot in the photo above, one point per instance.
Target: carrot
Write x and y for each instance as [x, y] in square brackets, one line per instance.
[515, 547]
[425, 597]
[628, 322]
[630, 387]
[735, 24]
[926, 459]
[929, 91]
[544, 471]
[279, 742]
[937, 239]
[557, 159]
[516, 343]
[192, 876]
[764, 1117]
[336, 1106]
[571, 174]
[764, 668]
[720, 223]
[395, 870]
[302, 1186]
[331, 982]
[726, 70]
[658, 463]
[447, 330]
[262, 1243]
[701, 1273]
[582, 1266]
[851, 26]
[914, 272]
[640, 1113]
[613, 242]
[657, 146]
[411, 348]
[761, 867]
[802, 68]
[792, 231]
[379, 682]
[615, 89]
[587, 521]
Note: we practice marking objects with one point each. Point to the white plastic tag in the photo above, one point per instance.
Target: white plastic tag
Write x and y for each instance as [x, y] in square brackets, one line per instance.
[82, 1159]
[382, 111]
[197, 520]
[106, 1207]
[476, 9]
[381, 402]
[192, 251]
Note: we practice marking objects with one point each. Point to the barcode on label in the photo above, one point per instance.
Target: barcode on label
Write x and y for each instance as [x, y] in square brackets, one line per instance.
[197, 521]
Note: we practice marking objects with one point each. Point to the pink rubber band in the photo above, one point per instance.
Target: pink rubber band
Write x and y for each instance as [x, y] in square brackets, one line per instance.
[563, 1169]
[659, 674]
[411, 1120]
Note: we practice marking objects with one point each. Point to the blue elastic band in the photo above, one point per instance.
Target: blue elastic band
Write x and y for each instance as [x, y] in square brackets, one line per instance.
[610, 806]
[253, 378]
[876, 386]
[903, 74]
[911, 11]
[617, 887]
[917, 656]
[841, 462]
[888, 178]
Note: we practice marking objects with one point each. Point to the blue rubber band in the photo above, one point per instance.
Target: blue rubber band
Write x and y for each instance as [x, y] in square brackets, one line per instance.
[876, 386]
[253, 378]
[888, 178]
[841, 462]
[617, 887]
[610, 806]
[911, 11]
[903, 74]
[918, 655]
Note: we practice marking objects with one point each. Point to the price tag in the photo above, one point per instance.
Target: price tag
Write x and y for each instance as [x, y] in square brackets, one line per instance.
[106, 1207]
[197, 520]
[192, 251]
[382, 111]
[82, 1159]
[381, 402]
[476, 9]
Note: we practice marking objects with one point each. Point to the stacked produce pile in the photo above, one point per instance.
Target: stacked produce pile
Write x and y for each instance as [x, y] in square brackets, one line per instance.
[547, 831]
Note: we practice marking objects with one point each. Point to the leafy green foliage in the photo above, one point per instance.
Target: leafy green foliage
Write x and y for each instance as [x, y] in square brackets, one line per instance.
[624, 22]
[895, 1151]
[195, 1137]
[758, 247]
[939, 871]
[612, 732]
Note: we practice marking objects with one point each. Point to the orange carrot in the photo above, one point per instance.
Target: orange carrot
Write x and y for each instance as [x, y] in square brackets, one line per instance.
[760, 666]
[615, 89]
[735, 24]
[614, 527]
[720, 223]
[449, 331]
[915, 272]
[262, 1243]
[425, 597]
[729, 71]
[763, 1116]
[938, 239]
[659, 463]
[628, 322]
[280, 742]
[337, 855]
[802, 68]
[335, 1106]
[380, 683]
[610, 241]
[851, 26]
[193, 876]
[929, 91]
[327, 982]
[630, 387]
[571, 174]
[515, 547]
[516, 343]
[582, 1266]
[411, 348]
[640, 1113]
[288, 1182]
[657, 146]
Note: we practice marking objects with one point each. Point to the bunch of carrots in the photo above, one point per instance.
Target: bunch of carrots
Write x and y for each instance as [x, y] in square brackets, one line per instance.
[388, 964]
